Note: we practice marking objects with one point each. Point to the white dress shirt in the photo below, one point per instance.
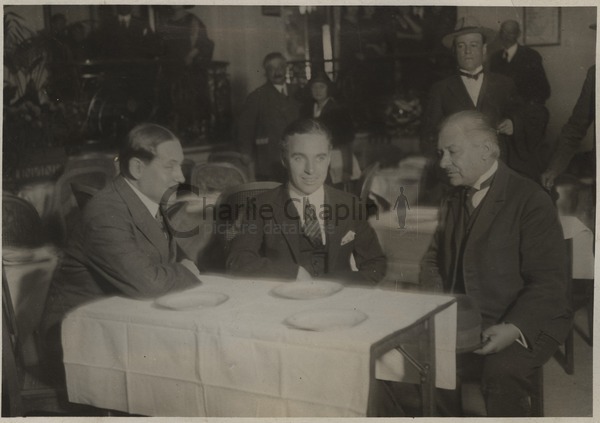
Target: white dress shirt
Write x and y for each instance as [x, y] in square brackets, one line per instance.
[478, 196]
[473, 86]
[317, 199]
[510, 52]
[150, 205]
[282, 88]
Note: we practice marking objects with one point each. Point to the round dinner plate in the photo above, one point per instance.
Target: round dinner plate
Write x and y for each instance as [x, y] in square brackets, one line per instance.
[190, 300]
[306, 290]
[325, 320]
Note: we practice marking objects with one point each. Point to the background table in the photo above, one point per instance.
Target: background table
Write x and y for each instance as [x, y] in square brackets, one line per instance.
[238, 358]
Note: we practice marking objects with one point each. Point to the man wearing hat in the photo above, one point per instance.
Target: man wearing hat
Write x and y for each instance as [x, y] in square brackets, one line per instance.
[499, 243]
[473, 88]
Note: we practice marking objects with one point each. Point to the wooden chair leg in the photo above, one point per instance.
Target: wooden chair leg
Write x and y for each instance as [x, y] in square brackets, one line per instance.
[537, 395]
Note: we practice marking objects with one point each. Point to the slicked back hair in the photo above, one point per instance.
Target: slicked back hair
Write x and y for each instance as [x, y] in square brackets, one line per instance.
[142, 142]
[304, 126]
[476, 127]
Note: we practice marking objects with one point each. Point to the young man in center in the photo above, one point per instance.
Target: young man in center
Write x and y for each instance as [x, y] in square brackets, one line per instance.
[304, 229]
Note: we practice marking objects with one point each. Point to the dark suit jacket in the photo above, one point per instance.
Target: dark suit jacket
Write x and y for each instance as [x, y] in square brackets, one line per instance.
[527, 72]
[262, 250]
[260, 126]
[336, 117]
[498, 100]
[119, 249]
[576, 128]
[514, 262]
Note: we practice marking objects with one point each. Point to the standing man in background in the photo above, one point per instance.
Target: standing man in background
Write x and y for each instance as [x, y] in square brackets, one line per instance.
[267, 112]
[524, 66]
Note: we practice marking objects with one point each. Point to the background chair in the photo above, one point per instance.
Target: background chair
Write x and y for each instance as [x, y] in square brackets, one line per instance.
[21, 224]
[65, 210]
[242, 161]
[230, 209]
[217, 176]
[82, 193]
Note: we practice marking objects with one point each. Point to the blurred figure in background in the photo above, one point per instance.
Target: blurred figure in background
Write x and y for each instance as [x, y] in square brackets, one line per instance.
[322, 106]
[524, 66]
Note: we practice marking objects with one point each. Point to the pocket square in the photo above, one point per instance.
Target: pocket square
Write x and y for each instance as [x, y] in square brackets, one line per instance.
[349, 237]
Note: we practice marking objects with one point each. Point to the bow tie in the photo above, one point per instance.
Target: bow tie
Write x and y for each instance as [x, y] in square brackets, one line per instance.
[471, 76]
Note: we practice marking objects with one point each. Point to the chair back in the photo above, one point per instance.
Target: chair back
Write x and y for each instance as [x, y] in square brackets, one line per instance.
[217, 176]
[95, 159]
[82, 193]
[12, 376]
[65, 209]
[242, 161]
[366, 178]
[21, 224]
[230, 209]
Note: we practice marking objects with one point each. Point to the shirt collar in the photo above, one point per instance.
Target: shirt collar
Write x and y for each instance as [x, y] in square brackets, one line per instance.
[150, 205]
[487, 175]
[473, 72]
[511, 51]
[317, 198]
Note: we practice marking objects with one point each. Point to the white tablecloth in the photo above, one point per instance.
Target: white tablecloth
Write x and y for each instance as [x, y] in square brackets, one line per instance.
[28, 283]
[238, 358]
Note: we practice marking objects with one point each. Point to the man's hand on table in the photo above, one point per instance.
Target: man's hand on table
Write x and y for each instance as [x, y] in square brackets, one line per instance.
[191, 266]
[498, 337]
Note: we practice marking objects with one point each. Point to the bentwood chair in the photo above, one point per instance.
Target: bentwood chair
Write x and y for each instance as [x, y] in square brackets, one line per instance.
[217, 176]
[229, 211]
[242, 161]
[21, 224]
[64, 204]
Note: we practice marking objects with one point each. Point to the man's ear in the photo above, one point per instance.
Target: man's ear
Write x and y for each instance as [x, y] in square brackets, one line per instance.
[484, 52]
[486, 150]
[284, 161]
[136, 167]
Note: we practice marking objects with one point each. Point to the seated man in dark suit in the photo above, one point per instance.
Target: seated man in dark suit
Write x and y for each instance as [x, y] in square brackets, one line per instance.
[303, 229]
[500, 243]
[123, 246]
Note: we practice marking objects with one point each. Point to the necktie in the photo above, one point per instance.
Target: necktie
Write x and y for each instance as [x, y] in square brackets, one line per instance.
[312, 229]
[471, 76]
[161, 222]
[470, 191]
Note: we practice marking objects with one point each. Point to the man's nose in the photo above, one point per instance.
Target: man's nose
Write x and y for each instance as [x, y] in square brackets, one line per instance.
[444, 161]
[309, 167]
[179, 178]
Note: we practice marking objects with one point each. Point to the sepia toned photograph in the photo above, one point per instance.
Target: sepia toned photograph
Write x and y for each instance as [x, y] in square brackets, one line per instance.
[298, 211]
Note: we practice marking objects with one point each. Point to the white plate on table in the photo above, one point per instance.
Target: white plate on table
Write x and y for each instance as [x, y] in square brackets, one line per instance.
[191, 300]
[325, 320]
[306, 290]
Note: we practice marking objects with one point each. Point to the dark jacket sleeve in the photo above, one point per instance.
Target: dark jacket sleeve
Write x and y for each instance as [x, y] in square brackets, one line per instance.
[114, 254]
[542, 300]
[575, 129]
[368, 255]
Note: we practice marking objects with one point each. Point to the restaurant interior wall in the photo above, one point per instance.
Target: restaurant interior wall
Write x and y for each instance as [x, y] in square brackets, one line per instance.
[566, 64]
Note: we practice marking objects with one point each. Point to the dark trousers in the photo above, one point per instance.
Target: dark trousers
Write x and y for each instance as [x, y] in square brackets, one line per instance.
[506, 378]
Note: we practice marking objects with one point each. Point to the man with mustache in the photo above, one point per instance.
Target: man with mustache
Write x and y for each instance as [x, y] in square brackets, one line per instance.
[266, 113]
[499, 242]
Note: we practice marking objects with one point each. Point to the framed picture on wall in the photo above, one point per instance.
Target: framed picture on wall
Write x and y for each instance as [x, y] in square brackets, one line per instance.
[541, 26]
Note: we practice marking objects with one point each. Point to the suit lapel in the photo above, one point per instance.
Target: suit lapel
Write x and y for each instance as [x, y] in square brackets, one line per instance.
[285, 213]
[334, 238]
[142, 218]
[459, 92]
[492, 203]
[484, 88]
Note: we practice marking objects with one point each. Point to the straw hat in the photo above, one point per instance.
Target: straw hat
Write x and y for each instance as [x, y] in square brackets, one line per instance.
[468, 25]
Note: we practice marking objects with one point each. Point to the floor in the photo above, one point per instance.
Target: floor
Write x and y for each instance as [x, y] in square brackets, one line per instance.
[570, 395]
